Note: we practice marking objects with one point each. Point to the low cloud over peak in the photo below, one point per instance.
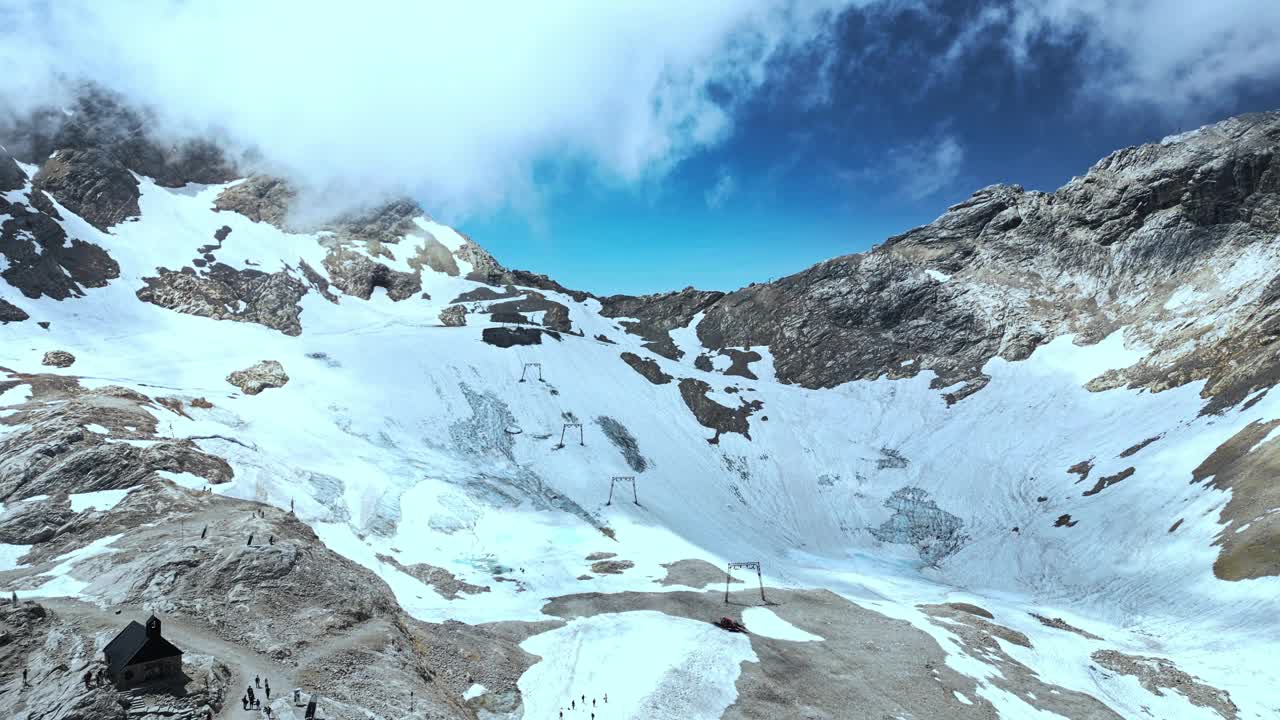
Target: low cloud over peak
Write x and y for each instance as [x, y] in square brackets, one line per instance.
[458, 105]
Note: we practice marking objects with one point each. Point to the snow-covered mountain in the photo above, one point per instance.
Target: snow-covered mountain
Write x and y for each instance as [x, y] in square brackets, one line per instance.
[1016, 463]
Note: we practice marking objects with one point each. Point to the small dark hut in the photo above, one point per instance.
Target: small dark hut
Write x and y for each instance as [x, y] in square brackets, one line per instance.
[140, 655]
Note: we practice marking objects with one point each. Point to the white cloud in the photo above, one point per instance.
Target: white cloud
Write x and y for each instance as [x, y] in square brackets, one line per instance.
[926, 168]
[1174, 55]
[455, 103]
[717, 195]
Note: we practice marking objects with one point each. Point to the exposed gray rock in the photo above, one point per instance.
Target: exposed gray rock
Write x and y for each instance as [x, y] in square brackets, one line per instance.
[1156, 674]
[712, 414]
[11, 313]
[740, 362]
[453, 316]
[225, 293]
[383, 224]
[261, 376]
[11, 176]
[42, 260]
[58, 358]
[505, 337]
[50, 451]
[441, 580]
[355, 274]
[92, 184]
[611, 567]
[99, 120]
[433, 255]
[1013, 269]
[260, 198]
[555, 316]
[657, 315]
[34, 521]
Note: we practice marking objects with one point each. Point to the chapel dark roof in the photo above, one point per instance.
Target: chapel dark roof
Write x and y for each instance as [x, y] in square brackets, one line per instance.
[132, 646]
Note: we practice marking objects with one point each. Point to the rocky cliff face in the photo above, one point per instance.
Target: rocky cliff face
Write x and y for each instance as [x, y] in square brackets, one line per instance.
[1134, 242]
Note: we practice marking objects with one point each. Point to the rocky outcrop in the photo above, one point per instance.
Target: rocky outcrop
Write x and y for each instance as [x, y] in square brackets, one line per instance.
[441, 580]
[58, 358]
[453, 316]
[355, 274]
[11, 176]
[34, 521]
[653, 317]
[261, 376]
[379, 225]
[51, 451]
[42, 260]
[711, 414]
[432, 254]
[92, 184]
[1155, 673]
[222, 292]
[505, 337]
[11, 313]
[97, 119]
[647, 368]
[1007, 270]
[260, 198]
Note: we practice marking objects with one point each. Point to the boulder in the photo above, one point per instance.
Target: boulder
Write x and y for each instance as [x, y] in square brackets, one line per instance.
[58, 358]
[255, 379]
[453, 316]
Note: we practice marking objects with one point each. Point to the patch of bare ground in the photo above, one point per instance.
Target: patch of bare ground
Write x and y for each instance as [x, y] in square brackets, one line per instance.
[1158, 673]
[1250, 538]
[693, 573]
[611, 567]
[1060, 624]
[441, 580]
[867, 665]
[972, 610]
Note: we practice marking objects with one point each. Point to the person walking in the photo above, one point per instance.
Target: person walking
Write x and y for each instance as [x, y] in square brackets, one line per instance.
[245, 702]
[606, 698]
[24, 678]
[267, 689]
[573, 704]
[256, 683]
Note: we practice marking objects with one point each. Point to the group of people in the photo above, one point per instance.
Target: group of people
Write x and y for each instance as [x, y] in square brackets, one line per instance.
[250, 699]
[573, 705]
[91, 678]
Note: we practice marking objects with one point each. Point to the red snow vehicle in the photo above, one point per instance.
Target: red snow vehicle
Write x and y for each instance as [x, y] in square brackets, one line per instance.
[730, 624]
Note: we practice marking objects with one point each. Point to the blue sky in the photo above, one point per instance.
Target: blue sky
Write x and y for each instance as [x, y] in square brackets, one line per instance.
[648, 145]
[915, 110]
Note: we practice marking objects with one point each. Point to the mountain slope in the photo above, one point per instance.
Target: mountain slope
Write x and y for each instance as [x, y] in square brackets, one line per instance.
[1050, 409]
